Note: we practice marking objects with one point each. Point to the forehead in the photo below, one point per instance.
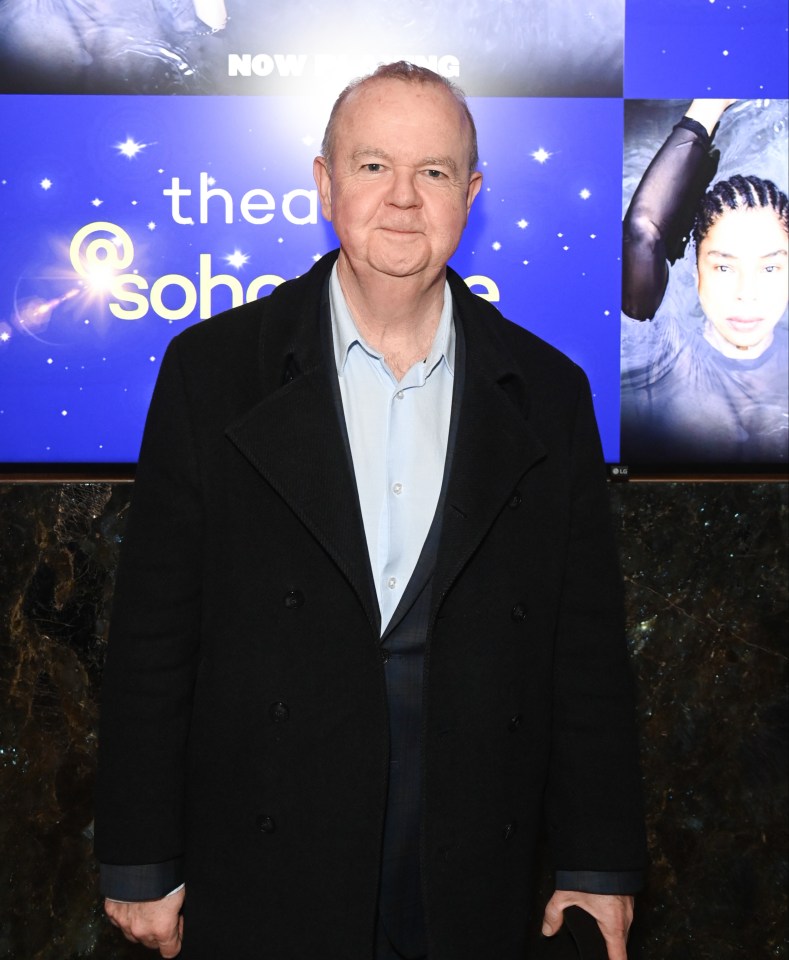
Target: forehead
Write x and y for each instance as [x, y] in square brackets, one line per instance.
[407, 115]
[746, 231]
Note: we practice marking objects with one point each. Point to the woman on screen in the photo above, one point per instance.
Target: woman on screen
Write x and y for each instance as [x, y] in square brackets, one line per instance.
[710, 387]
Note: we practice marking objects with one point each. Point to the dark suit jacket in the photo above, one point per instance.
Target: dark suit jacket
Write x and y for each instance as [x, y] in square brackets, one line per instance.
[244, 720]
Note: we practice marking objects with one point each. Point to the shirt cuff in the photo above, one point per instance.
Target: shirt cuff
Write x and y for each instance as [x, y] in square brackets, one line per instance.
[131, 883]
[611, 882]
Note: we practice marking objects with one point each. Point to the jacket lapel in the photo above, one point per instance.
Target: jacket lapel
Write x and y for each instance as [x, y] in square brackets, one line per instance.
[295, 438]
[495, 444]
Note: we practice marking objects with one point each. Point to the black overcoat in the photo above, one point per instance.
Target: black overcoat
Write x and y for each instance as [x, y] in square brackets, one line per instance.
[244, 720]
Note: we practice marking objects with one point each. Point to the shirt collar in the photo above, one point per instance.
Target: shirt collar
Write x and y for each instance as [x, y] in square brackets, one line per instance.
[345, 334]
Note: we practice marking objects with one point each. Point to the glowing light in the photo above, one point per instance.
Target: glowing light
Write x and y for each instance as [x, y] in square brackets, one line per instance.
[522, 224]
[496, 245]
[725, 53]
[130, 148]
[96, 202]
[5, 336]
[541, 155]
[237, 259]
[584, 194]
[316, 257]
[151, 225]
[45, 184]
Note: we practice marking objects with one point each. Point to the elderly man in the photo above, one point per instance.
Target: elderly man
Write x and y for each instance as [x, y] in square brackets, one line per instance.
[367, 629]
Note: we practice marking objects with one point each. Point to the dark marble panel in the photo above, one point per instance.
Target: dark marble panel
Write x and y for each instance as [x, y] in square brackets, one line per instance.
[706, 573]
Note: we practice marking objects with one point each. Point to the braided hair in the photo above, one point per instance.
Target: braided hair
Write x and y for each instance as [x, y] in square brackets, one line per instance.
[738, 193]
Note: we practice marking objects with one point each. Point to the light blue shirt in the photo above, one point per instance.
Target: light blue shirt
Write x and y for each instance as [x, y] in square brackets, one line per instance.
[398, 434]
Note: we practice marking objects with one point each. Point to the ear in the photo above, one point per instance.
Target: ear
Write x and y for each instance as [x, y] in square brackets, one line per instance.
[474, 185]
[320, 171]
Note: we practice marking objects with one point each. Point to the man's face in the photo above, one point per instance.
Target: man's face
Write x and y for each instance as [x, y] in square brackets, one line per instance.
[399, 191]
[742, 276]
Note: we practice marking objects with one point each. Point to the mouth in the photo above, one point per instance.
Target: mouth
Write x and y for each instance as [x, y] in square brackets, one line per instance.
[744, 324]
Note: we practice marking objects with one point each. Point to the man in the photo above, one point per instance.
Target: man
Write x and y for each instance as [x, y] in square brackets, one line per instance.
[367, 620]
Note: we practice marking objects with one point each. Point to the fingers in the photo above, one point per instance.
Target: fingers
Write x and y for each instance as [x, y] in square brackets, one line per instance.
[613, 914]
[155, 924]
[554, 914]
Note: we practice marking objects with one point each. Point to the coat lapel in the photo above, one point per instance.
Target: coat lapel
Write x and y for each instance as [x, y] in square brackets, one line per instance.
[295, 436]
[495, 444]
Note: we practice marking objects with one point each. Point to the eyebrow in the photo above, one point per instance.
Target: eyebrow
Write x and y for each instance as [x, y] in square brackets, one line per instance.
[447, 162]
[782, 251]
[370, 152]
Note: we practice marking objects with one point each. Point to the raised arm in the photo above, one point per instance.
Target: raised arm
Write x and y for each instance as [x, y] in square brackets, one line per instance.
[660, 214]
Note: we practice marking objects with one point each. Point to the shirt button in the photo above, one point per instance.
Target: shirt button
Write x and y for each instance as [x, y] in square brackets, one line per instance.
[391, 583]
[397, 489]
[399, 395]
[265, 824]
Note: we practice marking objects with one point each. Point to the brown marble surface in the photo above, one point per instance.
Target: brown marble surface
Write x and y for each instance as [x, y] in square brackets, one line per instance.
[706, 573]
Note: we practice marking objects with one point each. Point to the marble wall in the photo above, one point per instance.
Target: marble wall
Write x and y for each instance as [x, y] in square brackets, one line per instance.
[706, 572]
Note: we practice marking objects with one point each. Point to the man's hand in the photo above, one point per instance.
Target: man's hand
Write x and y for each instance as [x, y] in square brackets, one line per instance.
[613, 914]
[156, 924]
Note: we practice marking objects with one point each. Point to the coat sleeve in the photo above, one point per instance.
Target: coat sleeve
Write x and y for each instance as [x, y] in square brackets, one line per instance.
[594, 803]
[153, 648]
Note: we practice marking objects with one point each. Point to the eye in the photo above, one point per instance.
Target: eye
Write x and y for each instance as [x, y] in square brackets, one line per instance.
[723, 268]
[372, 167]
[434, 174]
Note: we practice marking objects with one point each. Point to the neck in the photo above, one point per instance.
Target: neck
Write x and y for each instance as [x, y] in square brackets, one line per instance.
[722, 345]
[398, 316]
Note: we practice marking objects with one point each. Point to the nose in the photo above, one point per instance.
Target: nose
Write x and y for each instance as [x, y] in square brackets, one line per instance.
[748, 285]
[403, 192]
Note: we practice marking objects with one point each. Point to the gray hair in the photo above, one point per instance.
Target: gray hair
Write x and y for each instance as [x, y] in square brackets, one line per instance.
[410, 73]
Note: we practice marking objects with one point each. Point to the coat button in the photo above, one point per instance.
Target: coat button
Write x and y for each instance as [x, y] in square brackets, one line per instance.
[514, 723]
[510, 829]
[515, 501]
[294, 599]
[265, 824]
[279, 712]
[384, 656]
[518, 612]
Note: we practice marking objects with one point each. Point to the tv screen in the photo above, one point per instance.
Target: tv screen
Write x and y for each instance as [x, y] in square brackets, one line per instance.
[156, 170]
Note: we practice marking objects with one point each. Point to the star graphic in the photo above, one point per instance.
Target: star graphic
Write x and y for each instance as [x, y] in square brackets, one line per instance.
[541, 155]
[237, 259]
[130, 148]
